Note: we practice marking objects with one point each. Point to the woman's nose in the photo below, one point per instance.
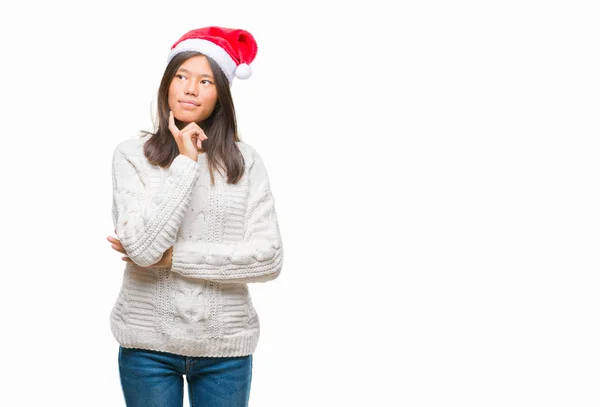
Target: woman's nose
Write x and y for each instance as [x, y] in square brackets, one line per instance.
[191, 89]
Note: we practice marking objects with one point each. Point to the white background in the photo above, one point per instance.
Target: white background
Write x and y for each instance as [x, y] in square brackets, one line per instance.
[435, 169]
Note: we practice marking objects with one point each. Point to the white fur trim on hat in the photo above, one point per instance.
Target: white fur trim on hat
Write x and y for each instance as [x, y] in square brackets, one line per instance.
[210, 49]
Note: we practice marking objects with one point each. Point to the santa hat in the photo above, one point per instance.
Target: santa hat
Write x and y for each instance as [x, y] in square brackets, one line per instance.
[232, 49]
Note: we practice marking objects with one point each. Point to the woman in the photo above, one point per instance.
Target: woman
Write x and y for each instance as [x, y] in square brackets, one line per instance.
[194, 215]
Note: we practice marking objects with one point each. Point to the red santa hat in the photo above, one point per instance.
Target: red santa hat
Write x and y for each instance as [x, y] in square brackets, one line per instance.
[232, 49]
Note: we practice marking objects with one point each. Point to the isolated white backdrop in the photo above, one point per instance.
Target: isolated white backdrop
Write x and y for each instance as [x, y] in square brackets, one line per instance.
[435, 170]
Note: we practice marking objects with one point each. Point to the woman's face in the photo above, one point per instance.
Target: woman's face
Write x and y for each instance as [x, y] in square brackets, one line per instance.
[193, 93]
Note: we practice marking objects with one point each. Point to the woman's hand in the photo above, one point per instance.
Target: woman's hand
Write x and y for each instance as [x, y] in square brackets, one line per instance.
[165, 261]
[189, 139]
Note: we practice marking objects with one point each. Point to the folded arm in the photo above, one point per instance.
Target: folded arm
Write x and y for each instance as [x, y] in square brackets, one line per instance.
[257, 258]
[148, 227]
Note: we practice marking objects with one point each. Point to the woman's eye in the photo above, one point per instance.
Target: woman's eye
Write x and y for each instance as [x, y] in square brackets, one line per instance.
[179, 76]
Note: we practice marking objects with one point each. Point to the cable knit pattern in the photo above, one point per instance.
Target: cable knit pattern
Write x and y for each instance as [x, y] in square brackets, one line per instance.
[257, 256]
[224, 236]
[148, 229]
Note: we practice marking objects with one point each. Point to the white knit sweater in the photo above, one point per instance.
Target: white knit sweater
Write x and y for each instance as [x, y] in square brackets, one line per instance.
[223, 236]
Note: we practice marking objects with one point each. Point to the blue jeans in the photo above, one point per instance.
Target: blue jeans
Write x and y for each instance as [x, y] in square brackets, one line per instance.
[155, 379]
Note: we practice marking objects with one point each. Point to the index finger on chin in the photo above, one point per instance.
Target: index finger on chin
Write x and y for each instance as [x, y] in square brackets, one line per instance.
[172, 125]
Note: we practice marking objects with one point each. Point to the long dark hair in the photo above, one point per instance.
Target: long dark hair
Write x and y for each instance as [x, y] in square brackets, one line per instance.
[220, 127]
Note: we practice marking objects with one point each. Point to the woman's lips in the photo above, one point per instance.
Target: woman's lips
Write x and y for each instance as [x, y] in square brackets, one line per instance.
[188, 103]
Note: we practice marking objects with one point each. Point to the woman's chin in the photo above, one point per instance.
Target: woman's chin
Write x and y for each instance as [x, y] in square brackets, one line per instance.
[185, 117]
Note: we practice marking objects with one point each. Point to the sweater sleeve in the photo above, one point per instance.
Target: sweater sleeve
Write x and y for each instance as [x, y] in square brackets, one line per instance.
[257, 258]
[148, 227]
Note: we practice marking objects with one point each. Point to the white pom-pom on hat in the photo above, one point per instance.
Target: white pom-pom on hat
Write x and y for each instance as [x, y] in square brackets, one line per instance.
[243, 71]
